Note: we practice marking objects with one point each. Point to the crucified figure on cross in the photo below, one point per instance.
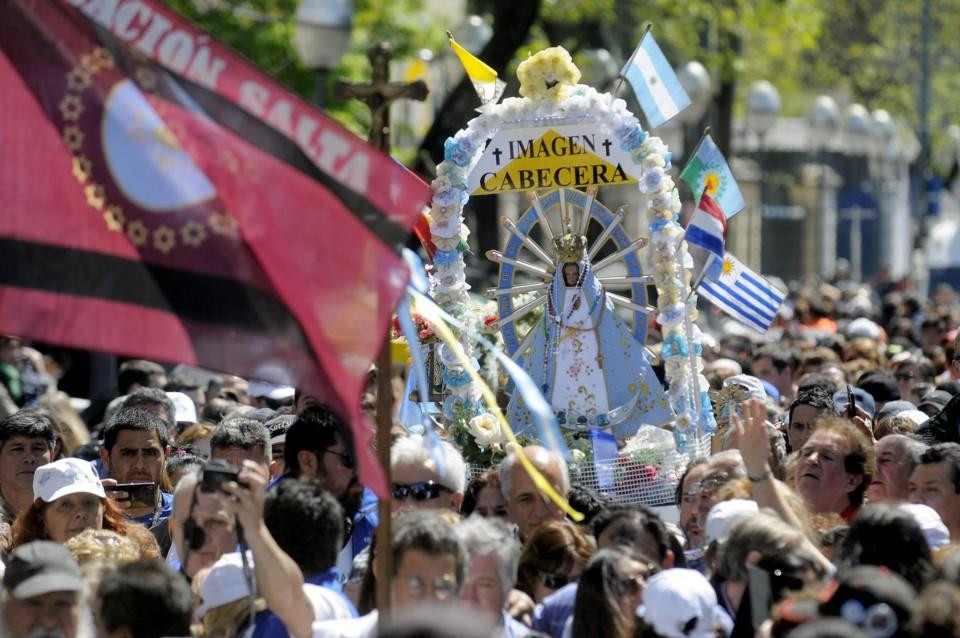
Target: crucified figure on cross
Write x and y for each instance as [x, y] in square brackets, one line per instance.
[379, 93]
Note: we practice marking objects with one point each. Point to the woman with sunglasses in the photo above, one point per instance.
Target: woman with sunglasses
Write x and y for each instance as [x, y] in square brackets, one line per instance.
[552, 558]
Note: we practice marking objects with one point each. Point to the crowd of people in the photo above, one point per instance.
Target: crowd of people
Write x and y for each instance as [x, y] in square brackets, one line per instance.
[828, 504]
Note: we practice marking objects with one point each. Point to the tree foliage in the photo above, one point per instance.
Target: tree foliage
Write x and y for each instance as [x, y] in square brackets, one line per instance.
[856, 50]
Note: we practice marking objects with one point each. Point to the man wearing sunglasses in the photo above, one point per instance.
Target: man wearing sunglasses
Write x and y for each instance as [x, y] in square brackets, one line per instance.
[319, 446]
[425, 478]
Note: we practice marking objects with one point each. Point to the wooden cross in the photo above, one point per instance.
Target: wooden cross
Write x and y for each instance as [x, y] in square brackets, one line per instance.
[379, 93]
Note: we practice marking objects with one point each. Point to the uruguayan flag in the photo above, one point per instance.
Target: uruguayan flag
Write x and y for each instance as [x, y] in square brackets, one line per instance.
[654, 82]
[740, 292]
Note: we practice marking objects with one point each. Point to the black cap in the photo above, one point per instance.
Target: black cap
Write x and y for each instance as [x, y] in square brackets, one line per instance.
[937, 399]
[41, 567]
[882, 387]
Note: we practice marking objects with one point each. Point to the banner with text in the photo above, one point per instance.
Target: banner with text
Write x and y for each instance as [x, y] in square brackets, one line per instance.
[157, 31]
[546, 157]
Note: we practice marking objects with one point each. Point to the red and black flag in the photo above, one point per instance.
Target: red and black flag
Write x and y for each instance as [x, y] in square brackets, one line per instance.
[148, 209]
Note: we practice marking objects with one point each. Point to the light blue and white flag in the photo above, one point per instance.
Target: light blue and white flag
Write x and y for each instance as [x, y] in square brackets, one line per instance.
[740, 292]
[656, 85]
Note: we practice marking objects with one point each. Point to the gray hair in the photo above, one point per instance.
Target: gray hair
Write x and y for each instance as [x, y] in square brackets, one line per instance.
[541, 456]
[413, 450]
[914, 450]
[492, 537]
[731, 458]
[245, 434]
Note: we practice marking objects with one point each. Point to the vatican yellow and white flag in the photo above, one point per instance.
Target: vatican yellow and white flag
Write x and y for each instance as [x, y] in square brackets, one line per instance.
[488, 86]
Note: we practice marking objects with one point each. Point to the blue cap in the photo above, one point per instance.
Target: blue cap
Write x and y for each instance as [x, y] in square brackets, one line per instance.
[863, 399]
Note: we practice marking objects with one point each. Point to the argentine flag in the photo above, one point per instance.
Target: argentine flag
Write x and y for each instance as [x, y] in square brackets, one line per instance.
[655, 84]
[740, 292]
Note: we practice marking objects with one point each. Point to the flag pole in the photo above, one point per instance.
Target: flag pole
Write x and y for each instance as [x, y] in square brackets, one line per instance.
[703, 136]
[646, 30]
[378, 95]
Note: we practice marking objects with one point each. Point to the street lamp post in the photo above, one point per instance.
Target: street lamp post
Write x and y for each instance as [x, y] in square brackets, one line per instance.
[695, 80]
[320, 36]
[824, 121]
[858, 130]
[763, 108]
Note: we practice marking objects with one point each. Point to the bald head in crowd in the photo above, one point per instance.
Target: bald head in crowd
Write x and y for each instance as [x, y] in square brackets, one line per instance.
[527, 508]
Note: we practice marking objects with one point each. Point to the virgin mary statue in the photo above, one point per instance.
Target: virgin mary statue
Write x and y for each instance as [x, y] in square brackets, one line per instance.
[588, 364]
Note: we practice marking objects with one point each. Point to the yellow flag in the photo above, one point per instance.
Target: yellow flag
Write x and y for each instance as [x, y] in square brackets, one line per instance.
[488, 87]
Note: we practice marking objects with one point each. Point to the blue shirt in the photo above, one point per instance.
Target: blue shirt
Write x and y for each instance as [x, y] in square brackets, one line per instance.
[551, 615]
[166, 507]
[267, 625]
[513, 628]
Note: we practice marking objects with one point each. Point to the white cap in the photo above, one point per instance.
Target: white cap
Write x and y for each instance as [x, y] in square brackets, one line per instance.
[918, 417]
[681, 603]
[725, 365]
[270, 391]
[930, 523]
[863, 327]
[724, 515]
[184, 406]
[224, 584]
[66, 476]
[753, 385]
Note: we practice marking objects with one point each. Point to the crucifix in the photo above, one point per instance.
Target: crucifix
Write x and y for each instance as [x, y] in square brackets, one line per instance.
[378, 94]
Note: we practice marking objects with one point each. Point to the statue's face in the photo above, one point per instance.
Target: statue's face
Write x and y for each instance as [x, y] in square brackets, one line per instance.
[571, 274]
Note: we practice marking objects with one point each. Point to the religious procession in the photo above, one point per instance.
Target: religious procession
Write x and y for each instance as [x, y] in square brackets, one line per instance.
[474, 318]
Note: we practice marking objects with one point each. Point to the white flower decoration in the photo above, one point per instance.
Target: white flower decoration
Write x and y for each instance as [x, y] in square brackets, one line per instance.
[485, 429]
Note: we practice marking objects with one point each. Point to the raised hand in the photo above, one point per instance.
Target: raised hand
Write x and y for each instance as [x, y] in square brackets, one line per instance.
[752, 437]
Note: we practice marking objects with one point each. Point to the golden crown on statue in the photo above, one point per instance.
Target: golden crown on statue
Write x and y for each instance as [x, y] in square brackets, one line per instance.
[570, 247]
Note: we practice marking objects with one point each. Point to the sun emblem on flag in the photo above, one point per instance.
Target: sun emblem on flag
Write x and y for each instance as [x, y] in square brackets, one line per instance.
[95, 195]
[223, 224]
[114, 217]
[164, 239]
[193, 233]
[82, 168]
[78, 79]
[728, 266]
[72, 138]
[713, 182]
[71, 107]
[96, 60]
[137, 233]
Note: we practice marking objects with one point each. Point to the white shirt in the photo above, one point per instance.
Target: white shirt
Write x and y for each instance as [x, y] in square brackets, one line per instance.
[327, 605]
[362, 627]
